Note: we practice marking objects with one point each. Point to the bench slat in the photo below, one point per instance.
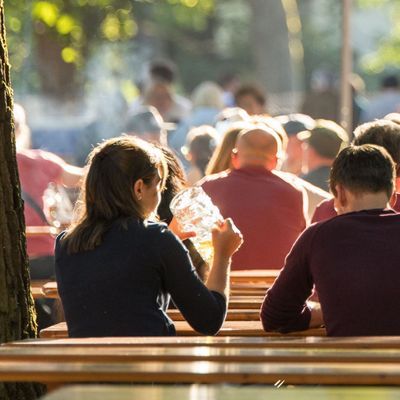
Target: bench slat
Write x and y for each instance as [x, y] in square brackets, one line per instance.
[282, 341]
[201, 392]
[203, 372]
[230, 328]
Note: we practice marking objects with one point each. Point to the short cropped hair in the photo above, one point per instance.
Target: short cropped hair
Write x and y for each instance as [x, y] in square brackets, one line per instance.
[382, 133]
[163, 70]
[251, 90]
[363, 169]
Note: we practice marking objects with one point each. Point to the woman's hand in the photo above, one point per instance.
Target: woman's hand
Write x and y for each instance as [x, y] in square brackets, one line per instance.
[226, 239]
[176, 229]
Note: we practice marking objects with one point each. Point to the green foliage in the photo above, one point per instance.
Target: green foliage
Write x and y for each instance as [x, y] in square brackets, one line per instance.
[81, 26]
[387, 55]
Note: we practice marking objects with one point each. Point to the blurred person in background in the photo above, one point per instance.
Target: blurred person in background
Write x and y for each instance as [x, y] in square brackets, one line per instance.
[383, 133]
[387, 101]
[314, 194]
[201, 144]
[251, 99]
[268, 209]
[37, 170]
[157, 89]
[207, 100]
[394, 117]
[229, 83]
[322, 143]
[294, 124]
[229, 116]
[322, 101]
[276, 126]
[221, 159]
[358, 99]
[148, 124]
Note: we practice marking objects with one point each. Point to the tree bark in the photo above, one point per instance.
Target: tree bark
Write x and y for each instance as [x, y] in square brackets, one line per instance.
[269, 40]
[17, 315]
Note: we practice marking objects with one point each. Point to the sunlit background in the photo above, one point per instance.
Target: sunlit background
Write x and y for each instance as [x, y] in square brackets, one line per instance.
[77, 64]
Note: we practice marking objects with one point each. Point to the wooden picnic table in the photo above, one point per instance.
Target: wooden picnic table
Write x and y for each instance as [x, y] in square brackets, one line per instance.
[126, 354]
[240, 291]
[231, 392]
[266, 276]
[232, 315]
[230, 328]
[245, 302]
[34, 231]
[307, 373]
[36, 288]
[277, 341]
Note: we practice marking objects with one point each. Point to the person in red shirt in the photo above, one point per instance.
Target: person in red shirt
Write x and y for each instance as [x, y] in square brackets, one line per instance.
[38, 168]
[351, 259]
[268, 210]
[383, 133]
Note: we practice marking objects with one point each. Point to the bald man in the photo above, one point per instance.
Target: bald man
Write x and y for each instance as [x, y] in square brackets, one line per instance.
[267, 209]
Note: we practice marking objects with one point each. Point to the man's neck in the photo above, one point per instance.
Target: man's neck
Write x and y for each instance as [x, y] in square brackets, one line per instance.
[369, 201]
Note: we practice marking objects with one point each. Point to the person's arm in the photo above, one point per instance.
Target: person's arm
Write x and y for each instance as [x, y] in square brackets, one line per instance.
[57, 170]
[226, 240]
[71, 176]
[317, 319]
[284, 308]
[204, 307]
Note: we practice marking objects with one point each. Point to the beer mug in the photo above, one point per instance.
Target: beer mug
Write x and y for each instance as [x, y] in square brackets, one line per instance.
[195, 212]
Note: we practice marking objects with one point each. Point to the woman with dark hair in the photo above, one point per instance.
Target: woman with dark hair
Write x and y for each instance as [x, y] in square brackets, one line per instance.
[116, 270]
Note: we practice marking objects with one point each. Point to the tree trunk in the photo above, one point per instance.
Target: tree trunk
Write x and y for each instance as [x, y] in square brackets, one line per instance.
[17, 320]
[269, 40]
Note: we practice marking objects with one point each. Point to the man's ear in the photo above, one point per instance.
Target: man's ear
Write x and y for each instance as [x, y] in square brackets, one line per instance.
[234, 158]
[340, 200]
[138, 189]
[397, 182]
[273, 163]
[393, 199]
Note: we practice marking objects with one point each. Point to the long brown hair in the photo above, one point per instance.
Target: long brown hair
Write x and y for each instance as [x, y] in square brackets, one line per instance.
[175, 182]
[222, 156]
[107, 193]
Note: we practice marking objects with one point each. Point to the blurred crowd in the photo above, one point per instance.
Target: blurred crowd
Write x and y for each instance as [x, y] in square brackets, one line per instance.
[269, 173]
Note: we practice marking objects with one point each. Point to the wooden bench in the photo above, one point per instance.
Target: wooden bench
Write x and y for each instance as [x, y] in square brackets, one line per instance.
[34, 231]
[278, 341]
[307, 373]
[36, 288]
[232, 392]
[232, 315]
[166, 354]
[239, 292]
[230, 328]
[258, 276]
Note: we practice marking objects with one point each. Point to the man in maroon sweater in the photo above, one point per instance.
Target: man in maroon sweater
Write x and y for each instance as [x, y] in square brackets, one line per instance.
[268, 209]
[383, 133]
[352, 259]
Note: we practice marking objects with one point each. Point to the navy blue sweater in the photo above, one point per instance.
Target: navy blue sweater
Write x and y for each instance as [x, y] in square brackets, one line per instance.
[123, 286]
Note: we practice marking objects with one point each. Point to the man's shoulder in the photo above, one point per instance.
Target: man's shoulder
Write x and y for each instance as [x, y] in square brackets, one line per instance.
[352, 219]
[289, 181]
[182, 102]
[210, 180]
